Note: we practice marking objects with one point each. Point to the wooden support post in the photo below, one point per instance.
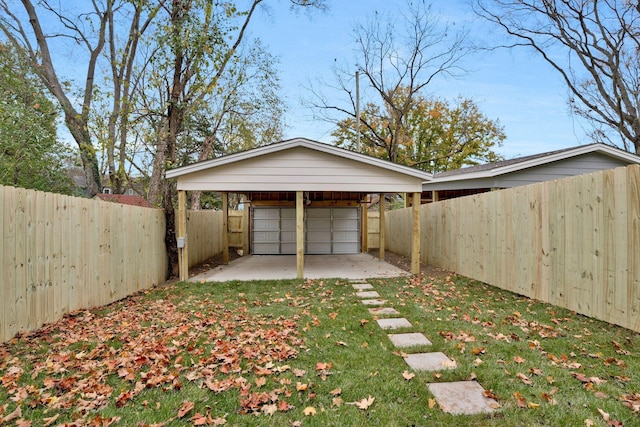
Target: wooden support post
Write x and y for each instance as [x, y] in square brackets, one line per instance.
[365, 227]
[183, 253]
[434, 196]
[382, 227]
[415, 241]
[225, 227]
[245, 228]
[300, 234]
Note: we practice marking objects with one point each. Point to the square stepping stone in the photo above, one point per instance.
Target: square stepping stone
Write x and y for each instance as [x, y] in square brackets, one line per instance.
[362, 286]
[367, 294]
[374, 301]
[383, 310]
[462, 397]
[429, 361]
[408, 340]
[395, 323]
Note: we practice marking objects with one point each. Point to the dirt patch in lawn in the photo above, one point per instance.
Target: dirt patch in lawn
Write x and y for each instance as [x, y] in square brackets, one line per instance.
[404, 263]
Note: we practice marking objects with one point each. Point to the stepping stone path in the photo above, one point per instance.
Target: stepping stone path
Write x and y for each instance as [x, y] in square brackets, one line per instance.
[408, 340]
[461, 397]
[429, 361]
[383, 310]
[374, 301]
[367, 294]
[394, 323]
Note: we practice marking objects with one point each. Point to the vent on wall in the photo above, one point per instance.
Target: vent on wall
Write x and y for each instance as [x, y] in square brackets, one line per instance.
[106, 190]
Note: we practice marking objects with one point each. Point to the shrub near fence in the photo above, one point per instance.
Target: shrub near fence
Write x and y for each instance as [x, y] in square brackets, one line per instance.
[573, 242]
[62, 253]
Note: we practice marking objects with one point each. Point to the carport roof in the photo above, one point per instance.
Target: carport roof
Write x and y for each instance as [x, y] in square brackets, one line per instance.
[301, 164]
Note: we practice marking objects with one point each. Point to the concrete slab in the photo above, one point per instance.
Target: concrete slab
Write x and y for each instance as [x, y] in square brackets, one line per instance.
[462, 397]
[367, 294]
[374, 301]
[429, 361]
[276, 267]
[408, 340]
[362, 286]
[394, 323]
[383, 310]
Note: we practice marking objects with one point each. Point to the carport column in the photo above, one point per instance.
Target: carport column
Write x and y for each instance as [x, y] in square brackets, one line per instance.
[415, 241]
[382, 227]
[365, 227]
[300, 233]
[183, 253]
[225, 228]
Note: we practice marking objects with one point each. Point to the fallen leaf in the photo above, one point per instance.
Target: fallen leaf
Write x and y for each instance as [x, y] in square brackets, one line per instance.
[309, 411]
[432, 403]
[605, 415]
[588, 423]
[408, 375]
[301, 386]
[365, 403]
[525, 379]
[270, 409]
[50, 420]
[336, 392]
[363, 322]
[532, 405]
[336, 401]
[185, 408]
[518, 359]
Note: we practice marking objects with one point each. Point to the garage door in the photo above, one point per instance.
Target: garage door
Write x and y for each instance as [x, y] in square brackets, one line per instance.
[332, 230]
[273, 231]
[328, 230]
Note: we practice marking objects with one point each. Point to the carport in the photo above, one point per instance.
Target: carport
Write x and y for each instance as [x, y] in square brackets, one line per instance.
[306, 197]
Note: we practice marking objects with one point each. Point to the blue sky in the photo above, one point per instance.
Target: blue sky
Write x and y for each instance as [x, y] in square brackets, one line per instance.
[514, 86]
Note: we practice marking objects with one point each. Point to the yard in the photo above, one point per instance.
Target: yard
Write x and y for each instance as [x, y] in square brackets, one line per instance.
[308, 353]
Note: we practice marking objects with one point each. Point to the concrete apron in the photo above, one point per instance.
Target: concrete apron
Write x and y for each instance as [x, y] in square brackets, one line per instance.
[275, 267]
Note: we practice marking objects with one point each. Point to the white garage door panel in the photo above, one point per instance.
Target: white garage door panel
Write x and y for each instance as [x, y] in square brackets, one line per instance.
[327, 230]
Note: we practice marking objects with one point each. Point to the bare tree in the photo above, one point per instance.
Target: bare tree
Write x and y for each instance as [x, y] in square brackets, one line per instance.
[91, 37]
[397, 58]
[595, 47]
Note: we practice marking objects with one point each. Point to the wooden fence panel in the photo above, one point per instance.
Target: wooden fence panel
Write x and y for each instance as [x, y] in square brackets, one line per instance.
[203, 234]
[61, 254]
[573, 242]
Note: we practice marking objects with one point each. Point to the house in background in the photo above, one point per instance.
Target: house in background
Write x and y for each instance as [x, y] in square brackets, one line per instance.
[124, 199]
[525, 170]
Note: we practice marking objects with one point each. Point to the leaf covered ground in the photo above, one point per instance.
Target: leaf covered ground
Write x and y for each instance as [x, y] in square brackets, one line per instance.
[289, 353]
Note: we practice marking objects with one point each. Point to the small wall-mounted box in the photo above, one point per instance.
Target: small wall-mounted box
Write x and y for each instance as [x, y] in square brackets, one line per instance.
[181, 242]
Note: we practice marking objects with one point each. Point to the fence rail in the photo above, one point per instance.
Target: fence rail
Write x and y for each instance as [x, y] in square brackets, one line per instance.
[62, 253]
[573, 242]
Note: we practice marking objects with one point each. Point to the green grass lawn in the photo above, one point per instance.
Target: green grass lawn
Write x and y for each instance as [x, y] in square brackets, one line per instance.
[288, 353]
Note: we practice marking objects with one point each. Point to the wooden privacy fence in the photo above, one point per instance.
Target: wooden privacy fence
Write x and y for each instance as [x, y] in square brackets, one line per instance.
[573, 242]
[203, 234]
[62, 253]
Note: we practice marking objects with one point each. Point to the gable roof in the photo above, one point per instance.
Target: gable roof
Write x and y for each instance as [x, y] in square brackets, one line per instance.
[297, 143]
[513, 165]
[125, 199]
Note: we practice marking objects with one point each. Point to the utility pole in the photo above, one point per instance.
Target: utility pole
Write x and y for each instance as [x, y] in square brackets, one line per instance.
[358, 111]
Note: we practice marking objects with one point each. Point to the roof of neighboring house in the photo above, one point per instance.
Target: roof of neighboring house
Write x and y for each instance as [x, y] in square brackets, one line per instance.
[298, 164]
[491, 173]
[125, 199]
[519, 163]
